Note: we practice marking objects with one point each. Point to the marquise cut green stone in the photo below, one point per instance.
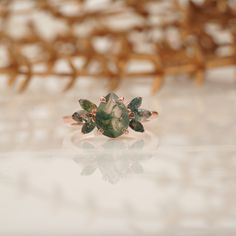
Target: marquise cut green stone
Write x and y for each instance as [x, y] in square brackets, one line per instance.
[112, 116]
[80, 116]
[88, 127]
[142, 115]
[135, 103]
[136, 126]
[87, 105]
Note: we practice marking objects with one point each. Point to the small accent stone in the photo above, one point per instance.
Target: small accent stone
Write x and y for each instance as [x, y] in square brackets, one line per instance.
[87, 105]
[136, 125]
[135, 103]
[142, 115]
[80, 116]
[88, 127]
[112, 116]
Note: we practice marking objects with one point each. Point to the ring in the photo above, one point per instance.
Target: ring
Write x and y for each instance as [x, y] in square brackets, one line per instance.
[112, 117]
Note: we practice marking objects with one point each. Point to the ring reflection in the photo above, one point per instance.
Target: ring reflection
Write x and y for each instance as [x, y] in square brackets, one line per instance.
[115, 159]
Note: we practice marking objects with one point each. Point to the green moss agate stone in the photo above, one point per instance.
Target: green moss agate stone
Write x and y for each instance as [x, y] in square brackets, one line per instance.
[142, 114]
[135, 103]
[136, 125]
[112, 116]
[87, 105]
[88, 127]
[80, 116]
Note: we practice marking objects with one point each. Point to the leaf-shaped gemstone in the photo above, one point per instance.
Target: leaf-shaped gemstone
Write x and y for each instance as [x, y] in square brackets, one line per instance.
[135, 103]
[88, 127]
[87, 105]
[80, 116]
[136, 125]
[142, 114]
[112, 116]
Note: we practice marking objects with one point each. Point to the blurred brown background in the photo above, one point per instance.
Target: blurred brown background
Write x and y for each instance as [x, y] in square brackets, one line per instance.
[108, 39]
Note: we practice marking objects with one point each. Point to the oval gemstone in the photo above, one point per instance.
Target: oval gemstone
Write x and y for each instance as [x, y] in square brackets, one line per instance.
[112, 116]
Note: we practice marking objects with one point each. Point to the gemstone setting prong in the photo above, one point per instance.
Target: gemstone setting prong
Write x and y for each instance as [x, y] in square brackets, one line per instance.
[131, 115]
[100, 131]
[121, 99]
[125, 131]
[154, 114]
[103, 99]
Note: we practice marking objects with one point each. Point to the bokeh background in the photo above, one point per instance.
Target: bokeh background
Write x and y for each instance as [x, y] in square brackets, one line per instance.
[177, 179]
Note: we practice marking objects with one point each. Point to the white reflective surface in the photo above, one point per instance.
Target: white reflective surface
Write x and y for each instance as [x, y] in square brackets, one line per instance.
[177, 179]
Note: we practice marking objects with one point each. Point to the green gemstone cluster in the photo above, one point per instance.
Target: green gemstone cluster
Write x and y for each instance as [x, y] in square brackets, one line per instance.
[111, 117]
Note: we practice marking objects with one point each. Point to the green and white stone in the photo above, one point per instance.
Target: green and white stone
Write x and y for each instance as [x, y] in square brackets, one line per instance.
[88, 127]
[135, 103]
[81, 116]
[136, 126]
[112, 116]
[142, 115]
[87, 105]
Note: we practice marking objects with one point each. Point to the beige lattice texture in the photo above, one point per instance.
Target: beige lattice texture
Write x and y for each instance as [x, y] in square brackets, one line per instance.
[102, 39]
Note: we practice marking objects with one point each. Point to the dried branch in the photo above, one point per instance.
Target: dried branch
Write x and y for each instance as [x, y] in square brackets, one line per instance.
[185, 45]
